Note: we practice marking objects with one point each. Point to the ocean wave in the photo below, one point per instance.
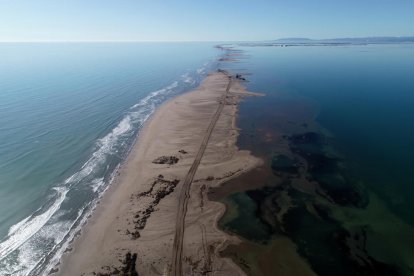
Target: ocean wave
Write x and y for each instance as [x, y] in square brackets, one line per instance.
[68, 238]
[22, 231]
[28, 234]
[200, 70]
[156, 93]
[76, 227]
[105, 147]
[31, 255]
[187, 78]
[97, 183]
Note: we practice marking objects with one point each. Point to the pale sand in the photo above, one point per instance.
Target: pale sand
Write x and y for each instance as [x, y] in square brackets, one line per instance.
[179, 124]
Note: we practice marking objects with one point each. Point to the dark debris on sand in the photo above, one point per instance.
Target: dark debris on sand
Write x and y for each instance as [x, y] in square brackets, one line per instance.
[128, 267]
[160, 188]
[170, 160]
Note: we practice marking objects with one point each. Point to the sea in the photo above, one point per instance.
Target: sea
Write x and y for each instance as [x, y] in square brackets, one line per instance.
[69, 113]
[334, 128]
[336, 132]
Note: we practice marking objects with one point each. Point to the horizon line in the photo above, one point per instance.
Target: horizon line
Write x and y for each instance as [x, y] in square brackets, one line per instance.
[221, 41]
[117, 41]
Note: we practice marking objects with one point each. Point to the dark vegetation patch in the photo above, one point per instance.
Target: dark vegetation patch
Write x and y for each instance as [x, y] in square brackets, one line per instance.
[160, 188]
[307, 220]
[240, 77]
[324, 169]
[326, 244]
[320, 238]
[128, 267]
[249, 223]
[170, 160]
[281, 164]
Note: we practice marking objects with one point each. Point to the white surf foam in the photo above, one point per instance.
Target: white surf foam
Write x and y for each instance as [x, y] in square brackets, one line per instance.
[22, 231]
[16, 227]
[31, 254]
[80, 222]
[105, 146]
[200, 71]
[154, 94]
[187, 78]
[69, 237]
[19, 236]
[97, 183]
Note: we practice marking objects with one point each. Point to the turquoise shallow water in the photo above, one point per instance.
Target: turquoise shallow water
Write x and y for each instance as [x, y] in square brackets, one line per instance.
[68, 115]
[346, 112]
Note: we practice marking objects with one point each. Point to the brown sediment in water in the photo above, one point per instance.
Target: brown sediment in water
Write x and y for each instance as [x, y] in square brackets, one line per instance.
[138, 214]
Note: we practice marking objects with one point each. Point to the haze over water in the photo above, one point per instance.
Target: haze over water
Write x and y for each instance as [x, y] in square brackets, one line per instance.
[68, 115]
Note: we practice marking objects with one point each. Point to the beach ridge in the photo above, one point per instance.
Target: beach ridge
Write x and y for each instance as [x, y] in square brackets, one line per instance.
[187, 146]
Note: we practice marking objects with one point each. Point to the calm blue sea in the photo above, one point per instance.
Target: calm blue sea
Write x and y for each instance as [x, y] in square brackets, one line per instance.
[68, 115]
[360, 102]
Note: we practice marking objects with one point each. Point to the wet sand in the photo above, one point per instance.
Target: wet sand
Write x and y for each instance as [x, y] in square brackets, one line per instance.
[138, 213]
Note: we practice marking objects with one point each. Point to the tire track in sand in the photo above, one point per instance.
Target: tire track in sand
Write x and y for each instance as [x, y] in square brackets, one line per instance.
[185, 190]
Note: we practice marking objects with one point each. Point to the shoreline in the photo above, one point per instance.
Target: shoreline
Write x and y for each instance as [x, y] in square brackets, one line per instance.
[134, 214]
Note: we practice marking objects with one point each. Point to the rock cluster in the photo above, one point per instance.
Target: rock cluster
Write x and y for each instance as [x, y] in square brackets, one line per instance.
[238, 76]
[129, 264]
[170, 160]
[160, 188]
[128, 267]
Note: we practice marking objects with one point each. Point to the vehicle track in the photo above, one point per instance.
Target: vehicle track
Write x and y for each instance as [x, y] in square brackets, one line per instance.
[176, 268]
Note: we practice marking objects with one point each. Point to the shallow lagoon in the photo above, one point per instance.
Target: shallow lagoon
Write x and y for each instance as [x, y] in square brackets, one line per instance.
[336, 132]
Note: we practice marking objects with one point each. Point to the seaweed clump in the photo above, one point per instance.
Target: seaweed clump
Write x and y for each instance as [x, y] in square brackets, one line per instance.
[128, 267]
[169, 160]
[325, 169]
[282, 164]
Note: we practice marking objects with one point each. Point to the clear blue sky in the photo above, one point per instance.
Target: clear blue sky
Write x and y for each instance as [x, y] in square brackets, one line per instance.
[198, 20]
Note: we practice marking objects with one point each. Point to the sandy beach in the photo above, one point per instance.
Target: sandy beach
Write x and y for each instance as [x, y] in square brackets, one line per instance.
[186, 147]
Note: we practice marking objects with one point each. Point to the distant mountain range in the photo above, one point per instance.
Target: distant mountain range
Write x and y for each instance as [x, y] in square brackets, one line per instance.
[296, 41]
[384, 39]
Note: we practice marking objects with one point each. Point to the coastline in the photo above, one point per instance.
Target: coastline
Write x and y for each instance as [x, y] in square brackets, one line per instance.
[137, 212]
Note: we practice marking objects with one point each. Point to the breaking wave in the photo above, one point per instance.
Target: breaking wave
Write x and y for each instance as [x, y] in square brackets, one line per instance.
[22, 251]
[22, 231]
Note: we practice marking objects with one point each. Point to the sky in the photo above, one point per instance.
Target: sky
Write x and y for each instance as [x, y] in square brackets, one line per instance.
[201, 20]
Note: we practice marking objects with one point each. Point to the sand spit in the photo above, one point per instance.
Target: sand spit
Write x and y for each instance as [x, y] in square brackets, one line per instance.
[136, 222]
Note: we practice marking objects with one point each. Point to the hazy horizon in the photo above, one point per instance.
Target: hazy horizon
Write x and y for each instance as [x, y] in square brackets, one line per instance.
[202, 41]
[184, 20]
